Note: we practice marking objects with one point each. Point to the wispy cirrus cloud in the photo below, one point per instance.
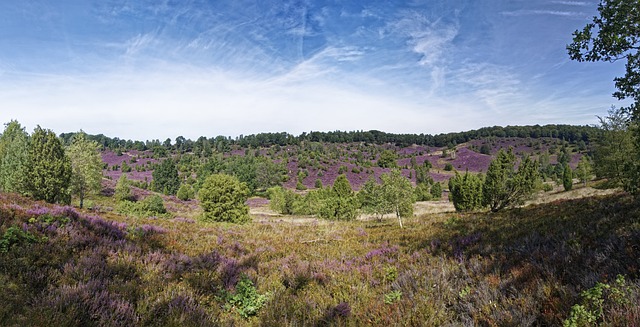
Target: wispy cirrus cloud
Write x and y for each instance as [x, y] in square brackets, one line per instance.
[572, 3]
[529, 12]
[492, 84]
[430, 38]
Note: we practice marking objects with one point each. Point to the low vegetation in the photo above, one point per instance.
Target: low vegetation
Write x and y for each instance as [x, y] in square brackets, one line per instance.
[570, 261]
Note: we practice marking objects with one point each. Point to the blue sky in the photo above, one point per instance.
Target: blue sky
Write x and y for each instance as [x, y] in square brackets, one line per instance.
[157, 69]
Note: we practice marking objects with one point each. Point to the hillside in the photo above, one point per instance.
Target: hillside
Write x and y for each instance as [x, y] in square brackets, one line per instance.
[312, 161]
[65, 266]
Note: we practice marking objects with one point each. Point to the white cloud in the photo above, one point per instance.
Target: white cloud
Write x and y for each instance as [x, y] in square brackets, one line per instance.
[562, 13]
[572, 3]
[182, 101]
[429, 38]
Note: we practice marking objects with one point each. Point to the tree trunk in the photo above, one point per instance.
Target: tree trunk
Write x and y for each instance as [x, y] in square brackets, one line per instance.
[399, 218]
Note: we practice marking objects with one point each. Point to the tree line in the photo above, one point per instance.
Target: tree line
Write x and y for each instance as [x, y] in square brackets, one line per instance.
[206, 146]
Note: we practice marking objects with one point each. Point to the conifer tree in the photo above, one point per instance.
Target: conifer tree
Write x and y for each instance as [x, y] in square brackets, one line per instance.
[165, 178]
[13, 158]
[503, 186]
[465, 191]
[49, 168]
[567, 178]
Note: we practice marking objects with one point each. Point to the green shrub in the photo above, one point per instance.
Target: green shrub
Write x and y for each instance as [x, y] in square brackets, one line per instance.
[153, 204]
[282, 200]
[422, 192]
[123, 189]
[465, 191]
[567, 178]
[392, 297]
[223, 197]
[185, 192]
[245, 300]
[15, 236]
[436, 191]
[448, 167]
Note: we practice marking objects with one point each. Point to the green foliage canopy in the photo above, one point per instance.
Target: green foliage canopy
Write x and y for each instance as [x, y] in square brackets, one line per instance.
[567, 178]
[223, 198]
[398, 193]
[13, 158]
[86, 166]
[613, 35]
[49, 168]
[388, 159]
[465, 191]
[338, 202]
[503, 186]
[165, 177]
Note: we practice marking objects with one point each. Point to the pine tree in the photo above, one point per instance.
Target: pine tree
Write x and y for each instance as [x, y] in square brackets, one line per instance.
[567, 178]
[49, 168]
[13, 158]
[165, 178]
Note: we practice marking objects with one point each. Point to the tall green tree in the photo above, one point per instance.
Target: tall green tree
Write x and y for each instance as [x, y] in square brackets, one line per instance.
[165, 177]
[86, 166]
[612, 36]
[398, 193]
[504, 186]
[465, 191]
[222, 198]
[49, 168]
[436, 191]
[13, 158]
[614, 148]
[567, 178]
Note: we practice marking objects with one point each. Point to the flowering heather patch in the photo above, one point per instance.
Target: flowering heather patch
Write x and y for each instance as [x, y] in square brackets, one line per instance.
[111, 158]
[257, 202]
[407, 151]
[471, 160]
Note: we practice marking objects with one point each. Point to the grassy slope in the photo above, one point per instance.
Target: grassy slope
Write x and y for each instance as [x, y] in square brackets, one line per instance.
[519, 267]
